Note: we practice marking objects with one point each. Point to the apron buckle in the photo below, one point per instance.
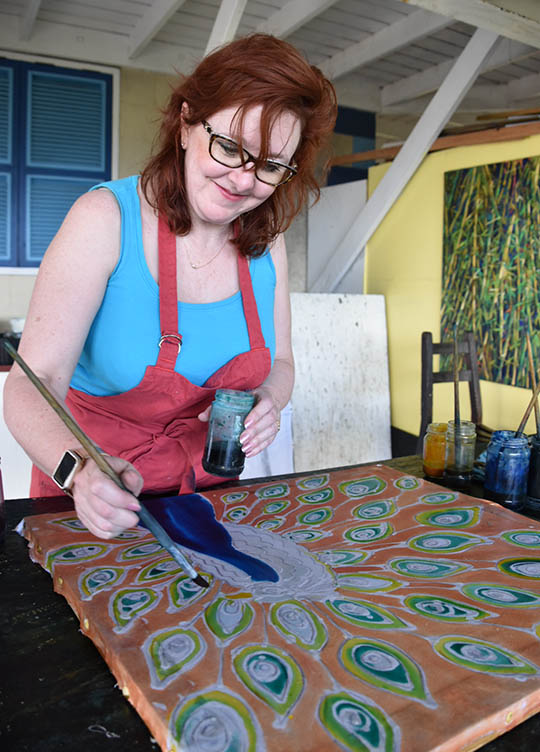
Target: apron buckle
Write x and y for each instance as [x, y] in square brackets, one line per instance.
[176, 337]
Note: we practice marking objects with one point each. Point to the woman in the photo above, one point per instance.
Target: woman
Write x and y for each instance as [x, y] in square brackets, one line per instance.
[158, 290]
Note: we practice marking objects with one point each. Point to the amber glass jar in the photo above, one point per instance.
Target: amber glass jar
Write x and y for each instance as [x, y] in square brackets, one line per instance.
[434, 450]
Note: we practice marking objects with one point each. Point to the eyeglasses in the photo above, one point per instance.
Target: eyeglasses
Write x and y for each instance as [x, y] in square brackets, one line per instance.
[227, 152]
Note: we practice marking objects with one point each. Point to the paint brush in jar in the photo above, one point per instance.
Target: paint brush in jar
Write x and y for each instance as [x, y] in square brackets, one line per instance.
[525, 418]
[457, 417]
[533, 383]
[93, 452]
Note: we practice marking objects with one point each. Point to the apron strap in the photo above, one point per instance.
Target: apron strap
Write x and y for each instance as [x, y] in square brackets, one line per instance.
[256, 339]
[170, 341]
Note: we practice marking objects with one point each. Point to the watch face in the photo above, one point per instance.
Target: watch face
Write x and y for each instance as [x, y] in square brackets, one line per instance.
[63, 470]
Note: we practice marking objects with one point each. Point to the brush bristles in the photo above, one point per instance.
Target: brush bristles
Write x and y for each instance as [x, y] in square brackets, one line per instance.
[200, 581]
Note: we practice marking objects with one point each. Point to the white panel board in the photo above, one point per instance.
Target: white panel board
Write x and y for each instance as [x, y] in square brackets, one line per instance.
[341, 398]
[328, 221]
[277, 459]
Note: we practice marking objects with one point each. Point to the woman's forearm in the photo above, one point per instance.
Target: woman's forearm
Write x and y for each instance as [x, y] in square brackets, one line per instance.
[33, 422]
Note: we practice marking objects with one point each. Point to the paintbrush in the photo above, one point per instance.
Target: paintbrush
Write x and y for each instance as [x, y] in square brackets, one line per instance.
[148, 520]
[533, 383]
[528, 410]
[457, 419]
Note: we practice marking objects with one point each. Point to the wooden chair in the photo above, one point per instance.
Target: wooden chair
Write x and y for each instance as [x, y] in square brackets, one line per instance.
[466, 349]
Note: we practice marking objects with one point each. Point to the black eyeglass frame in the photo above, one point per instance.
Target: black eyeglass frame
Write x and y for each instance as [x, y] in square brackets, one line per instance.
[213, 136]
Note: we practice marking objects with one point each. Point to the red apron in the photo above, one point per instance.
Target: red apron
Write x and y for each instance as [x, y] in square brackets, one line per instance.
[154, 425]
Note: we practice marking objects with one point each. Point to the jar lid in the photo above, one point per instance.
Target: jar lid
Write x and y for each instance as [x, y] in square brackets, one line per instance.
[437, 427]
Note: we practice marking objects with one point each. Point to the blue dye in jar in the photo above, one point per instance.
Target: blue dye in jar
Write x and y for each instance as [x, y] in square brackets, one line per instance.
[533, 482]
[507, 469]
[223, 453]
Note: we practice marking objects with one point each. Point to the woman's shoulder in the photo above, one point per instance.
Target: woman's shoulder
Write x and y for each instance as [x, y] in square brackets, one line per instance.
[123, 192]
[94, 207]
[106, 200]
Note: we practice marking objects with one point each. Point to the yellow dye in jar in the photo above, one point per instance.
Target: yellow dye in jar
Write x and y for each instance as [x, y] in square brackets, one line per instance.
[434, 450]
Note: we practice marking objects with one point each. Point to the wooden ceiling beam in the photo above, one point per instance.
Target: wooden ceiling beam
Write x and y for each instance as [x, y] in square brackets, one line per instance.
[150, 24]
[524, 88]
[486, 136]
[226, 24]
[28, 20]
[486, 15]
[506, 51]
[515, 94]
[292, 16]
[390, 39]
[411, 154]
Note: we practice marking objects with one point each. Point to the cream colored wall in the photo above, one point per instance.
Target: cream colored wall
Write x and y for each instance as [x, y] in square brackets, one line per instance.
[142, 95]
[404, 263]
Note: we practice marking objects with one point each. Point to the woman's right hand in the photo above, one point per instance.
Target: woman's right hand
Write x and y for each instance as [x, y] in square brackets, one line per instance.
[104, 508]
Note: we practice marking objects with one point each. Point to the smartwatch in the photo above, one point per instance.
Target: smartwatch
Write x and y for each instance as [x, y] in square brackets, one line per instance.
[67, 468]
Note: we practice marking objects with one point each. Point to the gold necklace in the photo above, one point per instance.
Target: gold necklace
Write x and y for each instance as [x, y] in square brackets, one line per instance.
[201, 266]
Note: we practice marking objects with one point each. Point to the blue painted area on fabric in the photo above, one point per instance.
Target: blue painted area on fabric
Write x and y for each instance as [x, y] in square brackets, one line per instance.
[190, 521]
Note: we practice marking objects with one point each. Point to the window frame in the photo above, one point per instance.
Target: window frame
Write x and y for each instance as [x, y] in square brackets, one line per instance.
[58, 65]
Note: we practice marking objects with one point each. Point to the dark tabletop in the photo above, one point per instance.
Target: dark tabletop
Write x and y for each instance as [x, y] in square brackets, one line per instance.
[57, 693]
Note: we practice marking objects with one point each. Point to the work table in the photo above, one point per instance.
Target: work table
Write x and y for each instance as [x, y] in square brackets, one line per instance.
[57, 692]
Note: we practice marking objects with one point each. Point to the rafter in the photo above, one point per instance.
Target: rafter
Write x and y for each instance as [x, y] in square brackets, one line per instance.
[506, 51]
[524, 88]
[58, 41]
[511, 95]
[436, 115]
[364, 94]
[485, 15]
[28, 19]
[394, 37]
[151, 22]
[294, 14]
[226, 23]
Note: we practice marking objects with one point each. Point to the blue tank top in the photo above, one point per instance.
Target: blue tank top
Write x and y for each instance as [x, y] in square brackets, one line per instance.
[123, 339]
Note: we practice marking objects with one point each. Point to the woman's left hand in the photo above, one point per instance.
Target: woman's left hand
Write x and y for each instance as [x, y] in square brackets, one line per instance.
[262, 423]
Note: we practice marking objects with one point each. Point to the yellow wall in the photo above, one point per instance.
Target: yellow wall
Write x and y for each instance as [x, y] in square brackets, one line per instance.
[142, 94]
[404, 263]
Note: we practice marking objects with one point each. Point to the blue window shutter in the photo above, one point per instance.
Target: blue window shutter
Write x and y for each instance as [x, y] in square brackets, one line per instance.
[55, 144]
[6, 157]
[66, 125]
[5, 217]
[48, 200]
[6, 114]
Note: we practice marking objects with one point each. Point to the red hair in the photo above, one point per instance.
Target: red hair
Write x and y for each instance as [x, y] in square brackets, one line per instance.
[254, 70]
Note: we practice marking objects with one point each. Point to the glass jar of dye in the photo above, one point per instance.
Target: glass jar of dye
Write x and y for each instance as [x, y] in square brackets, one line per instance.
[533, 481]
[460, 448]
[507, 469]
[434, 450]
[223, 453]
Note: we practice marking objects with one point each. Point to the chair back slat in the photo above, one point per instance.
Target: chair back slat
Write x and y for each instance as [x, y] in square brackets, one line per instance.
[467, 349]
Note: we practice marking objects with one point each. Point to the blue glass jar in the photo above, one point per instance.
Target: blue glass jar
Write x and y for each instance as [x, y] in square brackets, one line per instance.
[507, 469]
[223, 453]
